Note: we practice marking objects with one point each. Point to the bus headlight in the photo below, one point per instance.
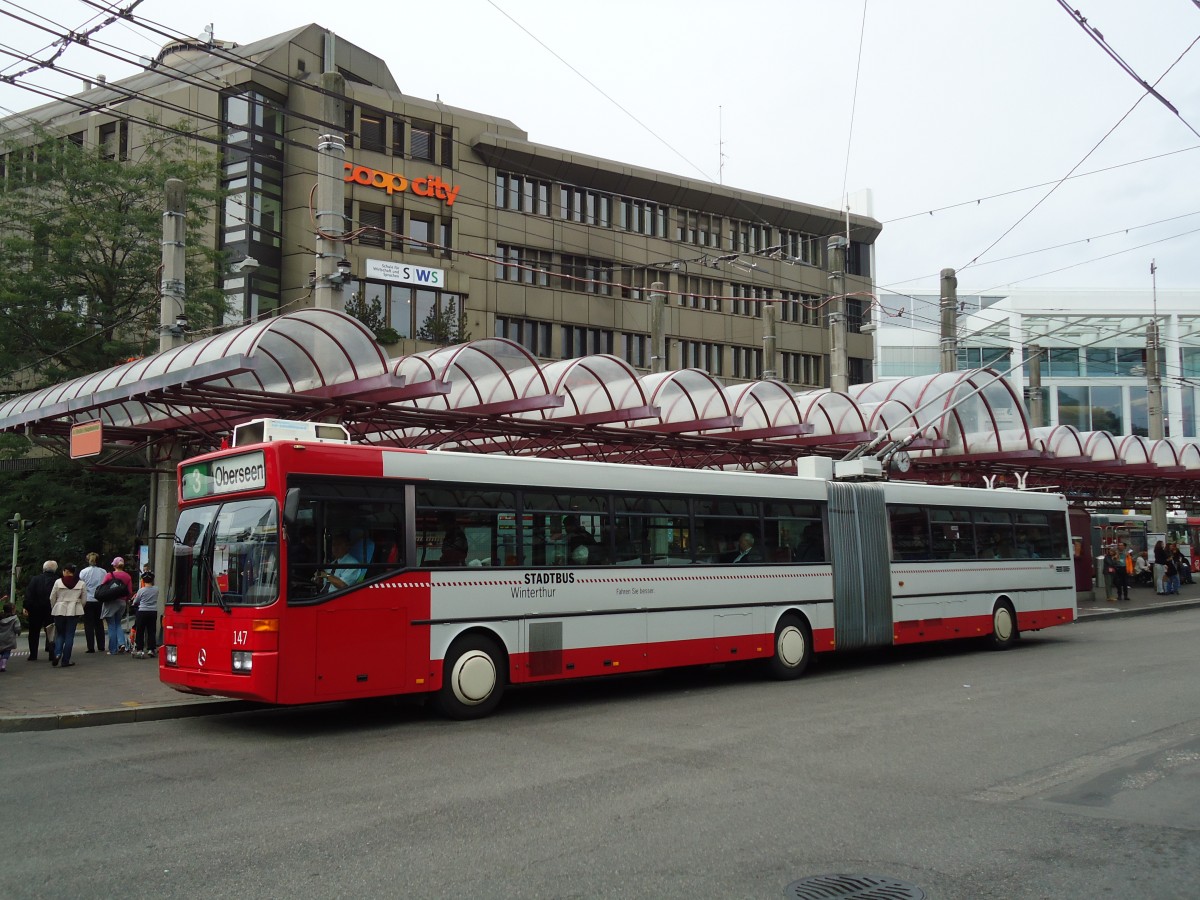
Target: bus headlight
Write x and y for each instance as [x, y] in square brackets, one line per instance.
[172, 654]
[242, 661]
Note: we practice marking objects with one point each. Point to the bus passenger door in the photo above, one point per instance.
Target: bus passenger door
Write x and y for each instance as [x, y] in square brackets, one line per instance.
[858, 542]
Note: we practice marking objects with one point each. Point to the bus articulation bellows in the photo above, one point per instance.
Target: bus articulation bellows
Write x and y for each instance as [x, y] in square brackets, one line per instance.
[313, 570]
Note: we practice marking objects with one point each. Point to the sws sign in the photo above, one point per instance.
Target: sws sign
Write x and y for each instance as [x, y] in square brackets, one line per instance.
[394, 182]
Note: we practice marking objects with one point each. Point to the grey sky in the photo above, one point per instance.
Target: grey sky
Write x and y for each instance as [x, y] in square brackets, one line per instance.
[955, 101]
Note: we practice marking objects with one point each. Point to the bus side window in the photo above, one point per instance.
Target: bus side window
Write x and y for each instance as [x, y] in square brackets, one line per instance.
[910, 533]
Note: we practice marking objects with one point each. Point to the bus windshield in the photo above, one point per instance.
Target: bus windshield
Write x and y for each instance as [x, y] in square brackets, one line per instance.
[228, 554]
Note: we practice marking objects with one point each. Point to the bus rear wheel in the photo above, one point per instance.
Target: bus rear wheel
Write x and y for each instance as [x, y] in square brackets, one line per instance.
[793, 648]
[1004, 626]
[473, 679]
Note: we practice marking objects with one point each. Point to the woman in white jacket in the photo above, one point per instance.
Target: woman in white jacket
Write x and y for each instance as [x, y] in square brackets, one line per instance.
[67, 599]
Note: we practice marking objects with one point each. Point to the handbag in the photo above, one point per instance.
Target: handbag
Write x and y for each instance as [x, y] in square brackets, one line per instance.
[51, 634]
[113, 589]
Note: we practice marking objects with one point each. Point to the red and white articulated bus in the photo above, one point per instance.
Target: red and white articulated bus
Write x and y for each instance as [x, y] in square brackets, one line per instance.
[308, 570]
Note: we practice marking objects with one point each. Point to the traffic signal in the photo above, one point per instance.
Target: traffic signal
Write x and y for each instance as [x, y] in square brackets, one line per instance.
[19, 525]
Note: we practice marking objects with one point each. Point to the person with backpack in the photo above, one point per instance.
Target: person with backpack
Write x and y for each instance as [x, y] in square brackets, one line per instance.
[114, 600]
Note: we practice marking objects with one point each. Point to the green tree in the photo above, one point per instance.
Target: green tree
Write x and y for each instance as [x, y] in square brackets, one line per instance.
[445, 324]
[80, 248]
[371, 315]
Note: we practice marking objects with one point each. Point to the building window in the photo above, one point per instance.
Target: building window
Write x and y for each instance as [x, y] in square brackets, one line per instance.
[636, 281]
[114, 140]
[579, 341]
[642, 217]
[415, 312]
[534, 336]
[747, 299]
[983, 358]
[397, 137]
[588, 207]
[447, 135]
[700, 355]
[420, 234]
[524, 265]
[635, 349]
[589, 276]
[697, 228]
[801, 368]
[421, 141]
[747, 362]
[371, 218]
[803, 309]
[522, 194]
[700, 293]
[1092, 408]
[371, 132]
[859, 370]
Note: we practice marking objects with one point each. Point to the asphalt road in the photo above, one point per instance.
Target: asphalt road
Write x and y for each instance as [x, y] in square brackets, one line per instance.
[1066, 768]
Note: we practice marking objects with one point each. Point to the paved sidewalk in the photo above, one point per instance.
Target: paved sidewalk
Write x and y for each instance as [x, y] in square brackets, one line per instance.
[103, 690]
[98, 690]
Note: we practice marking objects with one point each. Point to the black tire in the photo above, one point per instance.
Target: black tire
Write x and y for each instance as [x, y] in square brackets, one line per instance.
[1004, 627]
[473, 679]
[793, 648]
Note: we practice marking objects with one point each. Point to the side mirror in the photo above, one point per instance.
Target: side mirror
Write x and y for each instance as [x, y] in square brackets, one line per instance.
[291, 507]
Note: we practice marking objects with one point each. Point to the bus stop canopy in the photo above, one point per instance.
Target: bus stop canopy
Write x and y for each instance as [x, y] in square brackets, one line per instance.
[491, 395]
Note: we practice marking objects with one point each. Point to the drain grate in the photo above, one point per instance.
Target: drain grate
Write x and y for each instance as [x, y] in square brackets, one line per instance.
[864, 887]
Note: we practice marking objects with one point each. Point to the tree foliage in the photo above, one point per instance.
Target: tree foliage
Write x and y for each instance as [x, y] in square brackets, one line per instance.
[80, 246]
[81, 252]
[445, 325]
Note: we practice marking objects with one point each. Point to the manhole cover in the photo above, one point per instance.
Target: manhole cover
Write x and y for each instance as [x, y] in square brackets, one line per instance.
[866, 887]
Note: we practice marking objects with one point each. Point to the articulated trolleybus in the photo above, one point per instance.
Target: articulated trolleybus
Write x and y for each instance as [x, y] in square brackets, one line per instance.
[309, 569]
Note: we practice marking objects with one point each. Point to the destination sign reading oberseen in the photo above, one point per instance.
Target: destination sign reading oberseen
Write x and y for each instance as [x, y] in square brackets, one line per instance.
[245, 472]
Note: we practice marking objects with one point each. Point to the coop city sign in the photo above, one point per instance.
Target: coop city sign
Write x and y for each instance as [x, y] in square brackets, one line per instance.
[394, 182]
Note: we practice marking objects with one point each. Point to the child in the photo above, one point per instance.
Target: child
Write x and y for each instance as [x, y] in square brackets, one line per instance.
[145, 620]
[10, 627]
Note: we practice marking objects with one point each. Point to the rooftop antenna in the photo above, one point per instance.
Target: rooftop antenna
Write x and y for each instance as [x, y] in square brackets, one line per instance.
[721, 145]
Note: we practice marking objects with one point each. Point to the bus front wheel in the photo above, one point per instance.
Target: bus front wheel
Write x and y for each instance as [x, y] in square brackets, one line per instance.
[1004, 626]
[793, 648]
[473, 679]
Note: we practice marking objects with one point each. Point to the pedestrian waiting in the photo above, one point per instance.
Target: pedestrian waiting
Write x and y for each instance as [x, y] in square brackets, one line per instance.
[145, 620]
[67, 599]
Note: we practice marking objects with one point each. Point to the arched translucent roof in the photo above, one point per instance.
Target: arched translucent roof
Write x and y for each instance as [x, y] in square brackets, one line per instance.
[687, 395]
[1058, 440]
[487, 371]
[1187, 453]
[763, 405]
[831, 412]
[990, 420]
[1101, 446]
[594, 386]
[292, 354]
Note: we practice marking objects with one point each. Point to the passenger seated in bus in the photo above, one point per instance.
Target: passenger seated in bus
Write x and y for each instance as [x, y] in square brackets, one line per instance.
[345, 570]
[1025, 547]
[454, 540]
[745, 552]
[581, 546]
[812, 545]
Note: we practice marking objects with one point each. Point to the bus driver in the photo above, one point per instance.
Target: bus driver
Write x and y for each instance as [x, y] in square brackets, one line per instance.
[346, 569]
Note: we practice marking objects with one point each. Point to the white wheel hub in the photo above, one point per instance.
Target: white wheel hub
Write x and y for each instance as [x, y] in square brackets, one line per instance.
[790, 646]
[1002, 623]
[474, 677]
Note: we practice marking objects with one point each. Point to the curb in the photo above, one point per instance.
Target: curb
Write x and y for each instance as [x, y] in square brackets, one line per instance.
[86, 718]
[1099, 615]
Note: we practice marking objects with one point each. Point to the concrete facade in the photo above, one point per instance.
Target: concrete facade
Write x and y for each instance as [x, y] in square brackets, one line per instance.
[549, 247]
